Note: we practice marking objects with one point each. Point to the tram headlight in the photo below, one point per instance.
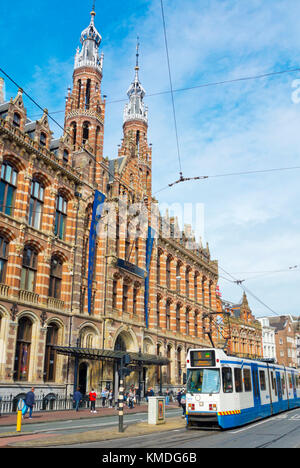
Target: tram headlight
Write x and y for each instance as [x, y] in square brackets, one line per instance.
[212, 407]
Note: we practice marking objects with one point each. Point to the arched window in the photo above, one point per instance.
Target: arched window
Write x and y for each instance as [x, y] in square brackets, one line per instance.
[8, 187]
[97, 140]
[55, 278]
[125, 298]
[29, 269]
[187, 322]
[79, 94]
[158, 268]
[196, 287]
[203, 290]
[115, 294]
[36, 204]
[3, 259]
[60, 217]
[50, 353]
[22, 356]
[168, 273]
[168, 315]
[178, 277]
[158, 311]
[169, 364]
[89, 341]
[196, 324]
[187, 282]
[74, 132]
[88, 94]
[178, 318]
[85, 132]
[120, 344]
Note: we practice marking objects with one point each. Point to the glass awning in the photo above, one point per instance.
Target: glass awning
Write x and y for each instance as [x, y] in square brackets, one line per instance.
[107, 354]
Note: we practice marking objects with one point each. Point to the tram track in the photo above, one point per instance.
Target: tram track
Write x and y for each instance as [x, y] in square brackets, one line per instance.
[276, 439]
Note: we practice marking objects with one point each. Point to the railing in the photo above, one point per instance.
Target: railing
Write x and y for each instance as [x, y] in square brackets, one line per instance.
[28, 296]
[55, 304]
[51, 402]
[4, 290]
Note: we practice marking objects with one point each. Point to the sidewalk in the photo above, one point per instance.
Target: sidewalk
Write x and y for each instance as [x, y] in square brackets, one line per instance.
[28, 439]
[45, 416]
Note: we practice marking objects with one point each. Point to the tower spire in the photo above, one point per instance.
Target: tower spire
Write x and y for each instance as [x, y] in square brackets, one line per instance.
[90, 40]
[135, 109]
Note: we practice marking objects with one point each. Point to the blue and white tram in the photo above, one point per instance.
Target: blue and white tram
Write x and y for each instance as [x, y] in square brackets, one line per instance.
[229, 391]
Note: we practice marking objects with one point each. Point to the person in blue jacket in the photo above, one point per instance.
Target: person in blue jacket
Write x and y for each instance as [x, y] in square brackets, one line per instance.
[29, 402]
[77, 397]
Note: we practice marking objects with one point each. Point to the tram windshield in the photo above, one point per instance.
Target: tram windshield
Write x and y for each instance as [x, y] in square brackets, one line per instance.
[203, 381]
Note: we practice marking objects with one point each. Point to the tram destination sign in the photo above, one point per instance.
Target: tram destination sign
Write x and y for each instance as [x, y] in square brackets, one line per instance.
[203, 359]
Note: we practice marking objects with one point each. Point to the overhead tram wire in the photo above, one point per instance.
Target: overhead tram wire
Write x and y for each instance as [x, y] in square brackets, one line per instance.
[171, 87]
[247, 290]
[204, 85]
[102, 165]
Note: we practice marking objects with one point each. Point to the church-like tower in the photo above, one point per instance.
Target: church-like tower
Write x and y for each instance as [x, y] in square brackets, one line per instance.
[135, 130]
[85, 108]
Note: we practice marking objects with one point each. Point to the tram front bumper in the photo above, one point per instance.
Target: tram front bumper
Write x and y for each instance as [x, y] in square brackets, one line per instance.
[210, 417]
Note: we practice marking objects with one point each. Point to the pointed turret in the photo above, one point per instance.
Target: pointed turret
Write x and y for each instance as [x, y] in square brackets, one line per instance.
[135, 110]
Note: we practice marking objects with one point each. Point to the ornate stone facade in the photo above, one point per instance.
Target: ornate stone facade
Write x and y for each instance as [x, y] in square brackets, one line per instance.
[47, 193]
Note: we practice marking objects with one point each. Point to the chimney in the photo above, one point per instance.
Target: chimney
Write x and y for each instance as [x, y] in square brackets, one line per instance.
[2, 93]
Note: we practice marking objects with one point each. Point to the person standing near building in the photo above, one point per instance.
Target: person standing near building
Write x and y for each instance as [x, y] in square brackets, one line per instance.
[29, 402]
[104, 394]
[92, 397]
[110, 398]
[77, 397]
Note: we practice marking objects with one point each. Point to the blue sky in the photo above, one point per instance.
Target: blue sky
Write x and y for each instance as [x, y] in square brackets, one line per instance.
[251, 222]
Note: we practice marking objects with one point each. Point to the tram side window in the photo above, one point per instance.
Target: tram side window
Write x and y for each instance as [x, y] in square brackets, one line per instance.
[227, 380]
[247, 380]
[274, 386]
[283, 384]
[262, 378]
[238, 380]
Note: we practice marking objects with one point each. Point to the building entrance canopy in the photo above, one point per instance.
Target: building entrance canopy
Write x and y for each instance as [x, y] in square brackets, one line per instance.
[111, 355]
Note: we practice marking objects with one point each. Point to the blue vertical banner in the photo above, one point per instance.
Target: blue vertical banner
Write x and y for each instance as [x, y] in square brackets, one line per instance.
[149, 248]
[96, 216]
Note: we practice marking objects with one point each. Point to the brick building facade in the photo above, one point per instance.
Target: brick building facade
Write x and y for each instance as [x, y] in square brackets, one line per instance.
[47, 193]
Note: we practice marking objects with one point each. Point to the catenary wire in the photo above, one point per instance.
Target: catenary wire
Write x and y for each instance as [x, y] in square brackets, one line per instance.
[171, 85]
[247, 290]
[204, 85]
[102, 165]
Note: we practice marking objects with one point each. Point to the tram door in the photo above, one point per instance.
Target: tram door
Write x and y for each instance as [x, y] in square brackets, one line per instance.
[256, 391]
[279, 387]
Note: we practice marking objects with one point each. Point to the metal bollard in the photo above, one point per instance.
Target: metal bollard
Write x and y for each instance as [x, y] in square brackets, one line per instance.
[21, 405]
[121, 406]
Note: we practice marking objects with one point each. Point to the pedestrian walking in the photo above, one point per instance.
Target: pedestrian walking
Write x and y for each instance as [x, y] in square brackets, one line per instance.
[130, 399]
[138, 395]
[29, 402]
[110, 398]
[92, 397]
[77, 398]
[104, 395]
[167, 396]
[183, 402]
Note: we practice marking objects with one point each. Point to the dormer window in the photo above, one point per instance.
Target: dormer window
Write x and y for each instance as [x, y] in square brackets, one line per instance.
[43, 139]
[65, 156]
[17, 120]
